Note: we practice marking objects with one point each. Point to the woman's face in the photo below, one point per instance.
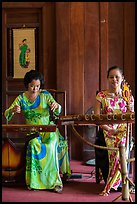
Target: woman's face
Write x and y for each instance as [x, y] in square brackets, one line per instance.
[115, 78]
[34, 86]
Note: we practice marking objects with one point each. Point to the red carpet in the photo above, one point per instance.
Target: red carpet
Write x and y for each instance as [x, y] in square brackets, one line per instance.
[83, 189]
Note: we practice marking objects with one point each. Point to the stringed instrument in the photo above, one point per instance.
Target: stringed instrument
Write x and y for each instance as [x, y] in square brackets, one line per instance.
[12, 160]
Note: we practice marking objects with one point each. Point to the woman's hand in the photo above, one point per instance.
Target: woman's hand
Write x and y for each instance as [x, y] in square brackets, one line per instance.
[113, 131]
[16, 109]
[54, 106]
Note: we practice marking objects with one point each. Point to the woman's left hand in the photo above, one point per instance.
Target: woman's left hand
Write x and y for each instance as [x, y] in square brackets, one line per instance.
[54, 106]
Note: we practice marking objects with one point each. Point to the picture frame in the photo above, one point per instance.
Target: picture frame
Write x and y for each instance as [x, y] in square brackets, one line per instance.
[22, 51]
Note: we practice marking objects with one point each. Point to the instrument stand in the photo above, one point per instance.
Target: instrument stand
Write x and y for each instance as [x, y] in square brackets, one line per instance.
[125, 179]
[129, 190]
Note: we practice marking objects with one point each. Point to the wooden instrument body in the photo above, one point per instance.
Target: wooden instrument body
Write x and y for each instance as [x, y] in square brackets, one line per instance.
[13, 162]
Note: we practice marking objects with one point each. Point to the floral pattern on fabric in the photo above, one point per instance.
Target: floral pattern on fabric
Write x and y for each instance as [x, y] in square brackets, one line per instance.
[111, 104]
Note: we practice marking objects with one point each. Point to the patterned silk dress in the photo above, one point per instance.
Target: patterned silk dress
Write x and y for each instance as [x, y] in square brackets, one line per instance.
[111, 104]
[47, 155]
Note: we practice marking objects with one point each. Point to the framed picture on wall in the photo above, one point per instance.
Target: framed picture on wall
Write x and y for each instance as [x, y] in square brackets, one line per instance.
[22, 51]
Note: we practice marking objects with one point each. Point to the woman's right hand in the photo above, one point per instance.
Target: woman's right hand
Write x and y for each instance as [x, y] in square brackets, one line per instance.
[114, 132]
[16, 109]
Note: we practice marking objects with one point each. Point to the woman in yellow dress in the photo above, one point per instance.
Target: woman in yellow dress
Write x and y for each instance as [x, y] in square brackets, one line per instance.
[111, 101]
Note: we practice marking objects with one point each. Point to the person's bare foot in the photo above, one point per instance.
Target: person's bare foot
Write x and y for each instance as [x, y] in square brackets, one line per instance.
[132, 190]
[58, 189]
[104, 193]
[31, 189]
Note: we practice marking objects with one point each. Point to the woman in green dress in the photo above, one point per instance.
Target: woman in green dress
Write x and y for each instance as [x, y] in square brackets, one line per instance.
[22, 57]
[47, 154]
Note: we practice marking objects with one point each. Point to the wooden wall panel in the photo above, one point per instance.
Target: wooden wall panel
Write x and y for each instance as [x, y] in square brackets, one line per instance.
[23, 15]
[91, 54]
[99, 44]
[103, 45]
[91, 71]
[129, 44]
[48, 45]
[76, 54]
[115, 34]
[62, 45]
[78, 41]
[62, 54]
[77, 57]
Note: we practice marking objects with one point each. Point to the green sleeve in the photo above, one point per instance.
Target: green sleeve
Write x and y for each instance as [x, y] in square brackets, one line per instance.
[8, 113]
[51, 100]
[58, 110]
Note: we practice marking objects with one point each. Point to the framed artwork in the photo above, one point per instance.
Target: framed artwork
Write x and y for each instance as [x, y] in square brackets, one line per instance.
[22, 51]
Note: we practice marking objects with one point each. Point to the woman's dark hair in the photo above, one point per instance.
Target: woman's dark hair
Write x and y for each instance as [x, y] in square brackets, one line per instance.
[33, 74]
[24, 40]
[114, 67]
